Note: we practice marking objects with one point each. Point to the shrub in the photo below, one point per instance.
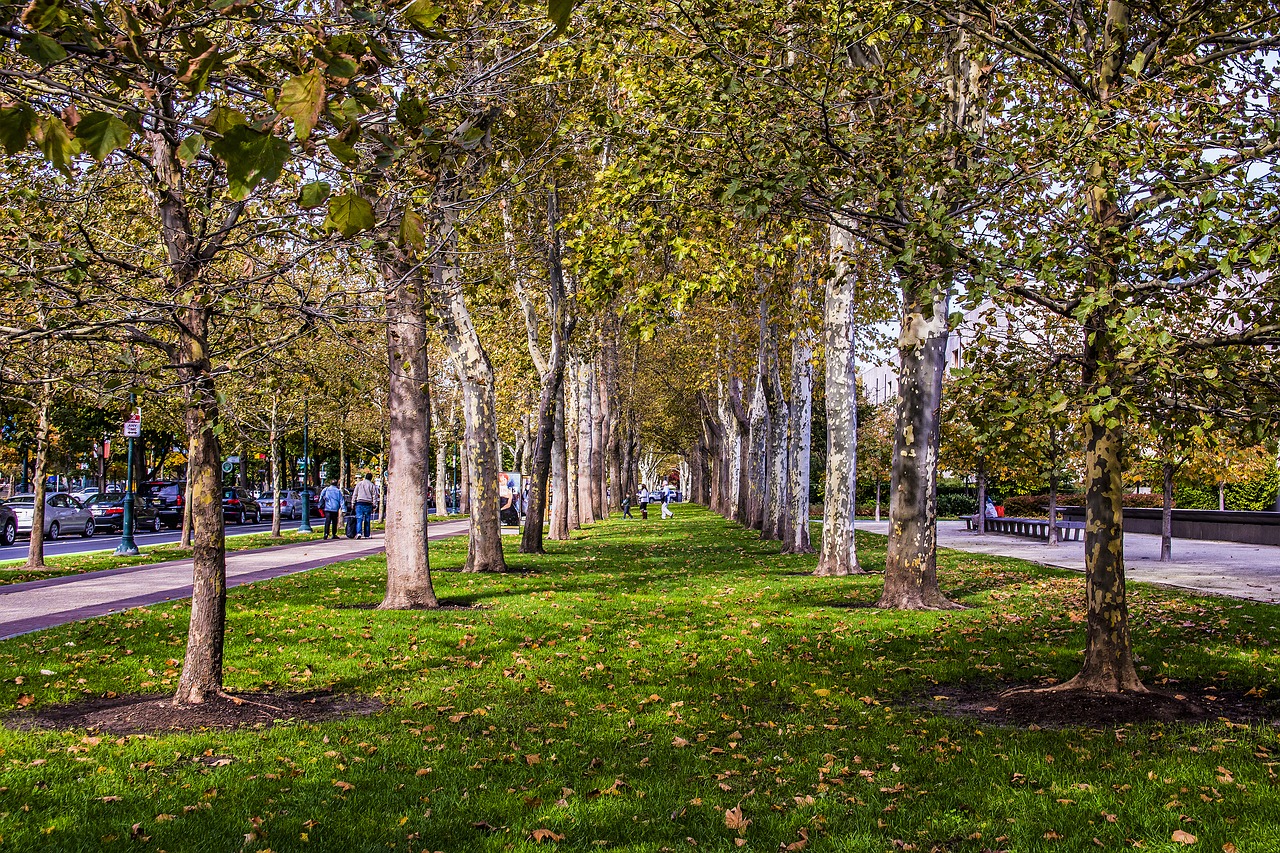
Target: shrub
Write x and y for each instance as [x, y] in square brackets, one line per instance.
[956, 505]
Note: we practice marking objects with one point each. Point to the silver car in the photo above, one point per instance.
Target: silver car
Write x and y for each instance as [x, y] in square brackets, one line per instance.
[289, 503]
[62, 514]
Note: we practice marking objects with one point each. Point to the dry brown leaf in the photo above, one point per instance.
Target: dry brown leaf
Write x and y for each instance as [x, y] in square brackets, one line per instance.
[343, 786]
[1182, 837]
[679, 742]
[541, 835]
[796, 846]
[24, 700]
[533, 759]
[734, 820]
[1228, 848]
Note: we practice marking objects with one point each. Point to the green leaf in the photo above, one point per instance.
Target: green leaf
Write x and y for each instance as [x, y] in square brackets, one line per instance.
[413, 230]
[422, 15]
[559, 11]
[349, 213]
[342, 151]
[101, 133]
[222, 119]
[313, 195]
[251, 158]
[302, 99]
[190, 148]
[16, 126]
[42, 49]
[342, 67]
[56, 143]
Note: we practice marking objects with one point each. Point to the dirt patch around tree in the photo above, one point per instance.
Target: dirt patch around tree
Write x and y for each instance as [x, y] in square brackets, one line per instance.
[1026, 707]
[152, 714]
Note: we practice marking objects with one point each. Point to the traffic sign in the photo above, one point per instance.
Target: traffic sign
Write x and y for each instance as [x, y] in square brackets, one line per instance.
[133, 426]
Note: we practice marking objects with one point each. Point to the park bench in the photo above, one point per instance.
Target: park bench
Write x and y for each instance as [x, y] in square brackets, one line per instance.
[1032, 528]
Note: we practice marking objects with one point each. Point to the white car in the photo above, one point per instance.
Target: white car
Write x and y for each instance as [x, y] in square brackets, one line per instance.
[289, 503]
[62, 514]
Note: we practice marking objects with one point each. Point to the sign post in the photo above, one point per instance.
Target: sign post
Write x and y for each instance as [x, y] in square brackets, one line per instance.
[132, 429]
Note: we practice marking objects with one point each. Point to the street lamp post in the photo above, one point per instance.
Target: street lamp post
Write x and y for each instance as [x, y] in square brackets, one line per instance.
[127, 547]
[305, 526]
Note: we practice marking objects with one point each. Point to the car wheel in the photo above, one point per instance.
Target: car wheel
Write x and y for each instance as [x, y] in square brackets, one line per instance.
[10, 533]
[88, 529]
[240, 518]
[257, 517]
[53, 531]
[156, 525]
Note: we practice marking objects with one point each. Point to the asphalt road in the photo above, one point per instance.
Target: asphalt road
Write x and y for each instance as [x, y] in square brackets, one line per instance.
[108, 540]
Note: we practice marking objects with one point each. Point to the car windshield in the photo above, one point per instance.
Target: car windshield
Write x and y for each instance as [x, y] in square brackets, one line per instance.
[170, 491]
[94, 500]
[22, 500]
[266, 496]
[229, 493]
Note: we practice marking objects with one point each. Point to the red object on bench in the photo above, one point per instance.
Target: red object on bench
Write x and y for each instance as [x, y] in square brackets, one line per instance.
[1000, 511]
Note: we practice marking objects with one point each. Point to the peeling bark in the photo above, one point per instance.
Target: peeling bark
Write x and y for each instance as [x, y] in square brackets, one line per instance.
[838, 555]
[409, 583]
[911, 570]
[796, 536]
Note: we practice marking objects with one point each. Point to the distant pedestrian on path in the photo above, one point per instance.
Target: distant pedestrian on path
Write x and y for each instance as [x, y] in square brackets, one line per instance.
[643, 494]
[364, 496]
[626, 507]
[666, 502]
[331, 504]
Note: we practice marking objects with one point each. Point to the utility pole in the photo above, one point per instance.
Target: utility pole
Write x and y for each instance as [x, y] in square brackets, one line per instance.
[305, 526]
[132, 428]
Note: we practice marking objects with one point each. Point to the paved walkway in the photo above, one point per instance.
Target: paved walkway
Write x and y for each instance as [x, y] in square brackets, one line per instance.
[1220, 568]
[31, 606]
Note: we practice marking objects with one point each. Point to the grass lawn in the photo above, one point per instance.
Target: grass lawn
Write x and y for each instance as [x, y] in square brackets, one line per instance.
[648, 686]
[74, 564]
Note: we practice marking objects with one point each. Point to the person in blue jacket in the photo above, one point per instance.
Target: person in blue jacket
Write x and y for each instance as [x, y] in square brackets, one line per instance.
[331, 504]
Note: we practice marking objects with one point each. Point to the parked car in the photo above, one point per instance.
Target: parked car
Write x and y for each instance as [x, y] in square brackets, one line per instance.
[108, 512]
[239, 505]
[169, 498]
[289, 503]
[8, 525]
[62, 514]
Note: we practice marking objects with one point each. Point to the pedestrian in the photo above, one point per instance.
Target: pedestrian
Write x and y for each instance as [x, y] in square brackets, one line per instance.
[626, 507]
[331, 501]
[365, 496]
[643, 495]
[666, 502]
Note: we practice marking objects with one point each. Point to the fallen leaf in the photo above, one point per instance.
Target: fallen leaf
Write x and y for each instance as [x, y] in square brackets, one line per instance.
[533, 759]
[679, 742]
[1182, 837]
[1228, 848]
[796, 846]
[541, 835]
[111, 799]
[24, 700]
[344, 786]
[734, 820]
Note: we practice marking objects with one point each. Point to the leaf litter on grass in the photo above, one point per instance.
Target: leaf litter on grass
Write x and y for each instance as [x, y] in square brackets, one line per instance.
[606, 657]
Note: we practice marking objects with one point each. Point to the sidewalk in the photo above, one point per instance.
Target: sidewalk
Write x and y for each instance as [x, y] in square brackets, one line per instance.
[26, 607]
[1232, 569]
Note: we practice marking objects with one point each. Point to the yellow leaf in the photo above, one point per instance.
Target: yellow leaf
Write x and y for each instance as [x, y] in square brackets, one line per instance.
[822, 691]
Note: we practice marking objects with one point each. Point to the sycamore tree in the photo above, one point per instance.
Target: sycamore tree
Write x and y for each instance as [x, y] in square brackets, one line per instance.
[1141, 146]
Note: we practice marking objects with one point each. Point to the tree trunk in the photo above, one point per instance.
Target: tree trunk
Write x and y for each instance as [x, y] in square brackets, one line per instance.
[1108, 658]
[838, 554]
[559, 527]
[911, 570]
[778, 501]
[759, 467]
[484, 549]
[982, 495]
[586, 453]
[1166, 514]
[595, 384]
[742, 430]
[409, 584]
[572, 452]
[202, 667]
[276, 479]
[878, 484]
[1222, 497]
[464, 475]
[796, 536]
[35, 548]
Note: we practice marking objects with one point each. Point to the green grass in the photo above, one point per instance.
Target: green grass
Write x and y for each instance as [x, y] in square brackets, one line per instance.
[628, 688]
[74, 564]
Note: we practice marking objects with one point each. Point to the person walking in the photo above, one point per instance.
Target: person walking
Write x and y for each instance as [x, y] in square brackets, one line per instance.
[364, 496]
[626, 507]
[331, 504]
[643, 494]
[666, 502]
